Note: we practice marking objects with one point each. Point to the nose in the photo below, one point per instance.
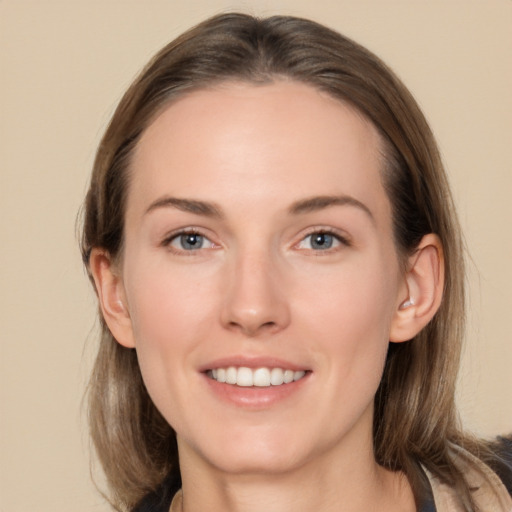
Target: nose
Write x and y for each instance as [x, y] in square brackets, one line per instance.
[255, 301]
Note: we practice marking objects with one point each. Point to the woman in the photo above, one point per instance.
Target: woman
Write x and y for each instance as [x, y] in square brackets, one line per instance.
[279, 270]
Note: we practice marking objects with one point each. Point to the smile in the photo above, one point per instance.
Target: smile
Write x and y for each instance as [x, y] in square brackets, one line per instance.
[259, 377]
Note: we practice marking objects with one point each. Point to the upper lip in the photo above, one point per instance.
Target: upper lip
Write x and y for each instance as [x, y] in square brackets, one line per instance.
[253, 363]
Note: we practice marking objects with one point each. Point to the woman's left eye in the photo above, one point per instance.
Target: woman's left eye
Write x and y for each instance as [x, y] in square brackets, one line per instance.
[321, 241]
[190, 242]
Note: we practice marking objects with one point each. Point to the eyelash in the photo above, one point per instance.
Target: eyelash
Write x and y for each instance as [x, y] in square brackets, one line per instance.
[342, 240]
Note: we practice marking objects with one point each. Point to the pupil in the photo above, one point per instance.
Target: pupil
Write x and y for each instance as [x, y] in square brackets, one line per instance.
[322, 241]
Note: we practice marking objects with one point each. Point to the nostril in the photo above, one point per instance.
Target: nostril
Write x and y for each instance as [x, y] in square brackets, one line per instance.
[254, 329]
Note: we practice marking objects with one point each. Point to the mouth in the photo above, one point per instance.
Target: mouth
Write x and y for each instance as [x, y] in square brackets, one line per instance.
[258, 377]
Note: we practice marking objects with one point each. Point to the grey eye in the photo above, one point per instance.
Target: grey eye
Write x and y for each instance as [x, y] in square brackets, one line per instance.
[190, 241]
[321, 241]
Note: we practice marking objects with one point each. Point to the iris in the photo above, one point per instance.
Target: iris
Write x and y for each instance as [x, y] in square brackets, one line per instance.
[321, 241]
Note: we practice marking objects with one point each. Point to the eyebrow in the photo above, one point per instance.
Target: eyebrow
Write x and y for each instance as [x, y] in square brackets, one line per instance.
[316, 203]
[208, 209]
[204, 208]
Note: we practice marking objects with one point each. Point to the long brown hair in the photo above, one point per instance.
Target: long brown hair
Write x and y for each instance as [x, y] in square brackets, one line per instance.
[415, 419]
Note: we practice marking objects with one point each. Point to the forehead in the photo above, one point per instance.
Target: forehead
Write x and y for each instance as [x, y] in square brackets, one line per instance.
[277, 139]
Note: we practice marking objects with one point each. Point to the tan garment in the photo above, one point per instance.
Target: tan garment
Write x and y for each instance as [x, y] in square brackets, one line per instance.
[490, 494]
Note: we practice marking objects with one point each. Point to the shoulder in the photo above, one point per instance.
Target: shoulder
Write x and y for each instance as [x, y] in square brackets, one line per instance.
[488, 476]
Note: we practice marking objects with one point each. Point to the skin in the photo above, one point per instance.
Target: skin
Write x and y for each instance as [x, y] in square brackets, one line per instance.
[248, 160]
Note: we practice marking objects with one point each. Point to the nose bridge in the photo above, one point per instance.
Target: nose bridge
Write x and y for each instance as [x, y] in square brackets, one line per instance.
[254, 300]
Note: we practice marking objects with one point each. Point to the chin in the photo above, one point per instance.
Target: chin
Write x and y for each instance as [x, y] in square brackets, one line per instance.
[253, 462]
[248, 454]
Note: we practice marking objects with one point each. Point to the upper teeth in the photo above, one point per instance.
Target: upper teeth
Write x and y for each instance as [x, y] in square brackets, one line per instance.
[261, 377]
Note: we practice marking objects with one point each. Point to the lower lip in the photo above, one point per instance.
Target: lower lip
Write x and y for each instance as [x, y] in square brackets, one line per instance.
[255, 397]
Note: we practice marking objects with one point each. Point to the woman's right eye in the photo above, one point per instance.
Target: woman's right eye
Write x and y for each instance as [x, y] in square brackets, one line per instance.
[189, 242]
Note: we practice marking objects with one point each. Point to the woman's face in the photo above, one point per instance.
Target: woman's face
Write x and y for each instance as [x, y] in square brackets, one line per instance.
[259, 249]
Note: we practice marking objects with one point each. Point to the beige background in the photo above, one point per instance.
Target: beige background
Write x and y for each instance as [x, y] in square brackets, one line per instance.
[64, 65]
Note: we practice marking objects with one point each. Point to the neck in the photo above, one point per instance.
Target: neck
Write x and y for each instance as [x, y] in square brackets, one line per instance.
[348, 485]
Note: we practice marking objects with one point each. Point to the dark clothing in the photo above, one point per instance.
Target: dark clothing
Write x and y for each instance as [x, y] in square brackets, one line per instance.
[160, 500]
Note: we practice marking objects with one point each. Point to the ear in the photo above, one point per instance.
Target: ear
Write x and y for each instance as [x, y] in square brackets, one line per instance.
[111, 296]
[422, 292]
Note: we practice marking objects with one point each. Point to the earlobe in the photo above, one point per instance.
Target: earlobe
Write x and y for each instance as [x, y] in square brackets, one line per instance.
[424, 282]
[111, 297]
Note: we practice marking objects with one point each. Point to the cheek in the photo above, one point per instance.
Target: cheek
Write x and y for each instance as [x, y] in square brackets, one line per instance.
[360, 295]
[356, 335]
[171, 314]
[349, 313]
[168, 303]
